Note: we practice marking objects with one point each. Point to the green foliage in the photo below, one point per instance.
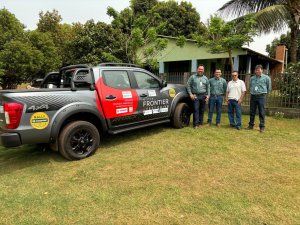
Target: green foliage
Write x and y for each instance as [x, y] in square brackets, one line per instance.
[141, 7]
[289, 86]
[96, 42]
[49, 22]
[284, 39]
[20, 61]
[51, 59]
[180, 19]
[271, 15]
[224, 36]
[10, 28]
[181, 41]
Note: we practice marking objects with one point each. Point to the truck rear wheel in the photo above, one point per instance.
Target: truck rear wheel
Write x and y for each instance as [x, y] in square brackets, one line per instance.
[78, 140]
[182, 114]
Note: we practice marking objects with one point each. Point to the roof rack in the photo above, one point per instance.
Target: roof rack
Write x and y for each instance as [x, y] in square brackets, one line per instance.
[74, 67]
[118, 64]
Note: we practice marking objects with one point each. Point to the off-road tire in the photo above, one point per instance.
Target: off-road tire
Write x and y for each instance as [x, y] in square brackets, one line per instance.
[182, 114]
[78, 140]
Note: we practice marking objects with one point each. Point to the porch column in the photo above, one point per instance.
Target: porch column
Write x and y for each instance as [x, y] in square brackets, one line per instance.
[236, 63]
[248, 70]
[194, 66]
[267, 68]
[161, 67]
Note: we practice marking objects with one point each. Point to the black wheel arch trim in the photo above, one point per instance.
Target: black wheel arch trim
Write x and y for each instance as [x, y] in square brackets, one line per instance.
[72, 110]
[180, 97]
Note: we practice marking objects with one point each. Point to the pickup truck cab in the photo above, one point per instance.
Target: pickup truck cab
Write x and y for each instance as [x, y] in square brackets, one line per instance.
[74, 107]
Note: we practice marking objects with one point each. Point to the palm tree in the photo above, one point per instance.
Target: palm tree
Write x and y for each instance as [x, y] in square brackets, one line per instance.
[270, 15]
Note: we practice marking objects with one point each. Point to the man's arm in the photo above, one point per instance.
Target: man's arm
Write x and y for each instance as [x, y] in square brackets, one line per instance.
[224, 86]
[243, 93]
[188, 87]
[269, 84]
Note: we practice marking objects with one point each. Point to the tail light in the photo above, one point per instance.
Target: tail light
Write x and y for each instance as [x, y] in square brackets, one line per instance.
[13, 113]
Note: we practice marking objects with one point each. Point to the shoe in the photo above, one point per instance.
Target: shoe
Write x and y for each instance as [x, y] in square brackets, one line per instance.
[196, 127]
[250, 127]
[218, 125]
[262, 130]
[238, 128]
[231, 125]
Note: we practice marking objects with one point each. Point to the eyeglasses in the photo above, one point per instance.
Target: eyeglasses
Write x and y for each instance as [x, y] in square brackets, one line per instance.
[234, 75]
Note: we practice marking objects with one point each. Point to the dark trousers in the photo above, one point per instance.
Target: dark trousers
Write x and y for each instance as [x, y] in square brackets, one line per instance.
[257, 101]
[215, 101]
[199, 108]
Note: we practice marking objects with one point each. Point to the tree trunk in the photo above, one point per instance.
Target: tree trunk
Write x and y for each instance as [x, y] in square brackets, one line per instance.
[230, 60]
[294, 26]
[294, 43]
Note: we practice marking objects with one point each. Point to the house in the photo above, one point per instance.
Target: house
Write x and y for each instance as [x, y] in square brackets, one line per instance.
[186, 59]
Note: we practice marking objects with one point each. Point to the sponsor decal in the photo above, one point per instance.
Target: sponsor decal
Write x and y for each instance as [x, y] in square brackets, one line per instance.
[1, 109]
[147, 112]
[155, 102]
[39, 120]
[155, 111]
[127, 94]
[162, 110]
[172, 92]
[122, 110]
[151, 93]
[36, 108]
[131, 109]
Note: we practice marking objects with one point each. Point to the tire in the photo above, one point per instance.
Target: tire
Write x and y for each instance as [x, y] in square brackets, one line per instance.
[181, 117]
[78, 140]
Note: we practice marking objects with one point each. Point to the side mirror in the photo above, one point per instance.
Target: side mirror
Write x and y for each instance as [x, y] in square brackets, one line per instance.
[164, 83]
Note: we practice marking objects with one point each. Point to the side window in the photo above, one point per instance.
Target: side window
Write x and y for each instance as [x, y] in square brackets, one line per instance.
[145, 81]
[116, 79]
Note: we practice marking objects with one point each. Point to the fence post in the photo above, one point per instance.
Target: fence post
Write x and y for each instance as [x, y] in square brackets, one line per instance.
[247, 81]
[185, 77]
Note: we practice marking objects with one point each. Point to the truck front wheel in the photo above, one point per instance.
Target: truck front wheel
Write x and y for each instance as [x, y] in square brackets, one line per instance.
[182, 114]
[78, 140]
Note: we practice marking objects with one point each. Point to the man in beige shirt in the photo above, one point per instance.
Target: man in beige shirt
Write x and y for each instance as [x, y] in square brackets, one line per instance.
[236, 90]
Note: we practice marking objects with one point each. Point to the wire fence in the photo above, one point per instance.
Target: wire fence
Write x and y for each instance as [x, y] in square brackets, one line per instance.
[285, 87]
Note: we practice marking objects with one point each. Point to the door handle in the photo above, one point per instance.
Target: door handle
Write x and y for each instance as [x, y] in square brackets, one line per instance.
[111, 97]
[143, 95]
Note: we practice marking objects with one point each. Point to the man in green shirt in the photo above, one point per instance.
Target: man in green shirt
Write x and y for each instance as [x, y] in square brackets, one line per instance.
[218, 87]
[260, 86]
[199, 91]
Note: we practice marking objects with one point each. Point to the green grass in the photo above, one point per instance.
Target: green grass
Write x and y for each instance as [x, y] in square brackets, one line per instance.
[160, 175]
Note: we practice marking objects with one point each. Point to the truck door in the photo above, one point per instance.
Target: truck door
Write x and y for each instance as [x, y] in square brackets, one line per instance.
[154, 103]
[119, 100]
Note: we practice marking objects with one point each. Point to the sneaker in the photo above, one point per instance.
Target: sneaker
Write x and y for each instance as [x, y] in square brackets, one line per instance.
[218, 125]
[232, 126]
[196, 127]
[238, 128]
[250, 127]
[262, 130]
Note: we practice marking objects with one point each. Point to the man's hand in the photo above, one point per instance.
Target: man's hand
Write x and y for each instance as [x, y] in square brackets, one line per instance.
[192, 97]
[240, 101]
[206, 98]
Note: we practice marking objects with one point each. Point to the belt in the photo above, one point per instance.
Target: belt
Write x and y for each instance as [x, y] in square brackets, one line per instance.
[263, 94]
[215, 95]
[199, 93]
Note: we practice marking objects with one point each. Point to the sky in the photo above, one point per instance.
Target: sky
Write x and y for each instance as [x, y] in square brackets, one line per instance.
[71, 11]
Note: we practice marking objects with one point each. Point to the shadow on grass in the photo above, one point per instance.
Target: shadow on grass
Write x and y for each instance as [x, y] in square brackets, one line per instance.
[13, 159]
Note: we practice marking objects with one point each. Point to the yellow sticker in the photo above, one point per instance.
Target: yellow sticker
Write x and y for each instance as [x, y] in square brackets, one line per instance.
[39, 120]
[172, 92]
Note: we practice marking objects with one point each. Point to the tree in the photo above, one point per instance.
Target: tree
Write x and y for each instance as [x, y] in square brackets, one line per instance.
[224, 36]
[181, 19]
[270, 15]
[141, 7]
[19, 61]
[50, 56]
[62, 34]
[284, 39]
[10, 28]
[97, 42]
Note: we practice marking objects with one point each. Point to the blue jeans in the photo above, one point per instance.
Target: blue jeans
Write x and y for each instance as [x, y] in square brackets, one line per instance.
[215, 101]
[257, 101]
[199, 108]
[234, 107]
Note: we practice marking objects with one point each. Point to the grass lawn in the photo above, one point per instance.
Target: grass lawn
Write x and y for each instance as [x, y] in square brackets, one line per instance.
[160, 175]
